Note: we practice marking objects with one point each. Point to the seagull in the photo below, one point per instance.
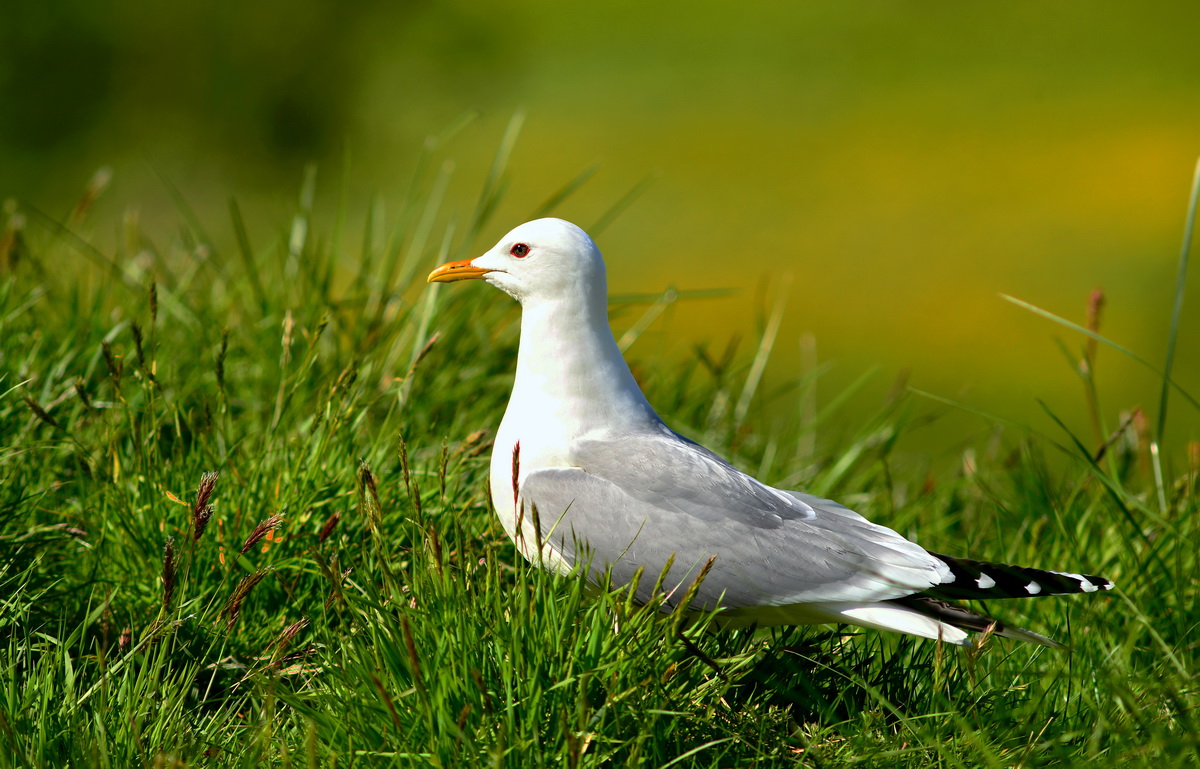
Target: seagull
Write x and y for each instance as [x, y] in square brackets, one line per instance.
[585, 473]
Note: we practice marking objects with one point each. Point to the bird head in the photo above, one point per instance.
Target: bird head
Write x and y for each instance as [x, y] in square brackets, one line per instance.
[545, 259]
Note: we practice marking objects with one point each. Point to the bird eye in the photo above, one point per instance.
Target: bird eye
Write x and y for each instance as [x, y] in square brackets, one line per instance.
[520, 250]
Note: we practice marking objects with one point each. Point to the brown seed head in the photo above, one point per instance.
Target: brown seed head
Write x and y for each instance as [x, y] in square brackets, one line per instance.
[283, 639]
[476, 443]
[260, 531]
[81, 391]
[41, 413]
[153, 304]
[330, 523]
[1095, 308]
[516, 471]
[112, 362]
[201, 510]
[233, 607]
[168, 572]
[136, 328]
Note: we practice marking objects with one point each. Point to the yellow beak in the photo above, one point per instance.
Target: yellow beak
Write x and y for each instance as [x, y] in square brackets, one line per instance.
[452, 271]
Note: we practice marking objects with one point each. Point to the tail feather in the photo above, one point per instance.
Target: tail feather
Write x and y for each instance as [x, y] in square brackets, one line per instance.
[982, 580]
[965, 619]
[897, 617]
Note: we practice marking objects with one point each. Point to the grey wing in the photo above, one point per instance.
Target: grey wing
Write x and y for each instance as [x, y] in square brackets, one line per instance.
[637, 501]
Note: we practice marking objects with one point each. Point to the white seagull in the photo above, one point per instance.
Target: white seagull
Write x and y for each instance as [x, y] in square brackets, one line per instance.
[584, 469]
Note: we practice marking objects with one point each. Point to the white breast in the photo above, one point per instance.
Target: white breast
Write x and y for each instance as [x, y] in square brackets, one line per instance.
[542, 445]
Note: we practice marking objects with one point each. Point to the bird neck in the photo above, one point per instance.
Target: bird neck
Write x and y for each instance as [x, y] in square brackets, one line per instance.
[570, 370]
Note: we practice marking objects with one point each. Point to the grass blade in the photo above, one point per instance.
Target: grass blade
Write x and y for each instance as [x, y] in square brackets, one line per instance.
[1177, 308]
[609, 216]
[564, 192]
[1103, 340]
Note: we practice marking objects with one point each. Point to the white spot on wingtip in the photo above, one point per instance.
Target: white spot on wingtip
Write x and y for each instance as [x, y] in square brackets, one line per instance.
[1084, 584]
[1033, 588]
[985, 582]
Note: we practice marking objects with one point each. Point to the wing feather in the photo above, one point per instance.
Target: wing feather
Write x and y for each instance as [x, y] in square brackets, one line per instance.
[638, 501]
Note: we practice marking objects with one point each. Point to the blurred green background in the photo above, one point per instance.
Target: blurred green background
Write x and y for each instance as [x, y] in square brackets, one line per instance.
[903, 163]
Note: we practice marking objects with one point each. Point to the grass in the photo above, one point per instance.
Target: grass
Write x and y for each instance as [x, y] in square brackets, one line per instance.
[243, 522]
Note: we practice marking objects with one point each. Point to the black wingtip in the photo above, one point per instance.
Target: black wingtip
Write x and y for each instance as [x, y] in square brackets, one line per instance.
[982, 580]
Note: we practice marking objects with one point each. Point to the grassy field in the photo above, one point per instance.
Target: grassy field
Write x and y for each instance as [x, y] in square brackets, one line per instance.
[244, 522]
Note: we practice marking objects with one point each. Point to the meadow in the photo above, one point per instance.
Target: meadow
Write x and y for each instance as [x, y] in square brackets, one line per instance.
[244, 522]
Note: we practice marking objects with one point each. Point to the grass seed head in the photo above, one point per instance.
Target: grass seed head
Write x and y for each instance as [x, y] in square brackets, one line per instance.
[233, 607]
[201, 510]
[41, 413]
[475, 444]
[276, 648]
[95, 188]
[260, 531]
[113, 363]
[168, 572]
[1095, 308]
[516, 472]
[368, 498]
[81, 391]
[153, 304]
[10, 238]
[136, 328]
[328, 526]
[222, 352]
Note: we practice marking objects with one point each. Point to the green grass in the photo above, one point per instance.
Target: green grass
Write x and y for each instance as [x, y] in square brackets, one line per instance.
[385, 619]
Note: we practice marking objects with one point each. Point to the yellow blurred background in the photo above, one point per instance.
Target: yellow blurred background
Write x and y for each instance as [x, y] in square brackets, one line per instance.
[904, 163]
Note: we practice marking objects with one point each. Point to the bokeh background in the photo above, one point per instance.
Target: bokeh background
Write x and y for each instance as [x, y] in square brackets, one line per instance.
[904, 163]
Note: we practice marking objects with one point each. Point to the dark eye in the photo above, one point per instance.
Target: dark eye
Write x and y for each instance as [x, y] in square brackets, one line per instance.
[520, 250]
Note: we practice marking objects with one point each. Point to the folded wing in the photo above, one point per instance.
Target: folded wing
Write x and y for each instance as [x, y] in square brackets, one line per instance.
[642, 500]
